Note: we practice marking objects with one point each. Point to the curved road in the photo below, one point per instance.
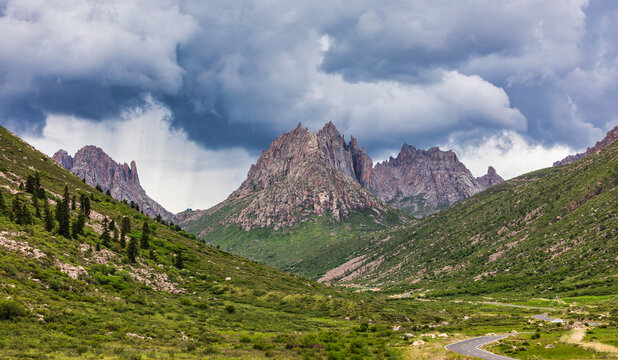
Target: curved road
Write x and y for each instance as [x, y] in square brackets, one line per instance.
[472, 346]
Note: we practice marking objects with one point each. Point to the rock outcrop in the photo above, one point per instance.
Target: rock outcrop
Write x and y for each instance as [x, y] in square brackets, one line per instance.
[610, 137]
[423, 181]
[305, 174]
[490, 179]
[122, 181]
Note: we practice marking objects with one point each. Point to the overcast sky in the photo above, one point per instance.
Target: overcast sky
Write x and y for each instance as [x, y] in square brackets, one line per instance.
[194, 90]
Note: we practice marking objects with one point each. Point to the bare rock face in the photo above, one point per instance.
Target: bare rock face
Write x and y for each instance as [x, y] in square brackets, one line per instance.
[490, 179]
[610, 137]
[97, 168]
[63, 158]
[305, 174]
[423, 181]
[302, 174]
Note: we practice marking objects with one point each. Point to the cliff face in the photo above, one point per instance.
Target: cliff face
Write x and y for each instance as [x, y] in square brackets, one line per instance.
[609, 138]
[305, 174]
[423, 181]
[490, 179]
[301, 175]
[97, 168]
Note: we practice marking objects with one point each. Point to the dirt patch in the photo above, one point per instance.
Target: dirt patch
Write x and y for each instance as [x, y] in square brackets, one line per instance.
[577, 336]
[342, 269]
[495, 256]
[368, 267]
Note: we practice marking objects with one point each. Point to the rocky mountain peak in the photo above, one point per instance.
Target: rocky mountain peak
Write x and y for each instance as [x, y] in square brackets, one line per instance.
[63, 158]
[122, 180]
[490, 179]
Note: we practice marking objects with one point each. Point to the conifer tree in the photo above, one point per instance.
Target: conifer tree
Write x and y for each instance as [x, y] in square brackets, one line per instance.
[105, 238]
[78, 225]
[73, 201]
[37, 209]
[2, 203]
[125, 228]
[49, 218]
[178, 260]
[30, 184]
[84, 205]
[132, 250]
[63, 216]
[145, 235]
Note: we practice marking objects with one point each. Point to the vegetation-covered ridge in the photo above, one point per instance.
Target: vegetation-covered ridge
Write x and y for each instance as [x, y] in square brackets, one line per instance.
[550, 231]
[71, 287]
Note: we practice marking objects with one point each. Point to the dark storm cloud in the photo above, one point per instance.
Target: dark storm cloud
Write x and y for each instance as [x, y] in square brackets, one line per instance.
[240, 73]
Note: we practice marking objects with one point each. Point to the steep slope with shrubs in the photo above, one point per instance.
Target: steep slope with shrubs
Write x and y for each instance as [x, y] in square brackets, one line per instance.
[70, 286]
[551, 231]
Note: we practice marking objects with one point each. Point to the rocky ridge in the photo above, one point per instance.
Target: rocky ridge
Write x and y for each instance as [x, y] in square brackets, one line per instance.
[610, 137]
[305, 174]
[490, 179]
[122, 181]
[422, 182]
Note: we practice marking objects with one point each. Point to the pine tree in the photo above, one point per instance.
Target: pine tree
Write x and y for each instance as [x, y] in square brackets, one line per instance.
[15, 208]
[37, 209]
[63, 216]
[49, 218]
[2, 203]
[116, 235]
[132, 250]
[105, 238]
[30, 184]
[84, 205]
[73, 200]
[78, 225]
[145, 235]
[125, 228]
[179, 261]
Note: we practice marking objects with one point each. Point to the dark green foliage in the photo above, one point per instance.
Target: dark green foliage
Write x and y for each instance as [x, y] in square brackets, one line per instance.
[77, 227]
[230, 309]
[108, 193]
[73, 201]
[179, 260]
[99, 188]
[132, 250]
[37, 209]
[10, 309]
[145, 236]
[63, 216]
[20, 213]
[134, 205]
[2, 203]
[105, 237]
[125, 228]
[49, 218]
[84, 205]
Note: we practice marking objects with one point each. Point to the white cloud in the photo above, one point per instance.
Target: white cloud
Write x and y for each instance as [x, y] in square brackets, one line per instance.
[509, 153]
[173, 170]
[115, 42]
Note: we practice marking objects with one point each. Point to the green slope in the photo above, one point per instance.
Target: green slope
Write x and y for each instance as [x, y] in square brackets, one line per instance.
[550, 231]
[63, 298]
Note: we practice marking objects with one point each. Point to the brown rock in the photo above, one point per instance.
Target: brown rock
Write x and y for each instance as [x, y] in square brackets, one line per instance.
[97, 168]
[490, 179]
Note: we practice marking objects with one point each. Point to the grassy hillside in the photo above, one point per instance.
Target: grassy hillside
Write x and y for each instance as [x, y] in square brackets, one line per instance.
[552, 231]
[69, 297]
[309, 248]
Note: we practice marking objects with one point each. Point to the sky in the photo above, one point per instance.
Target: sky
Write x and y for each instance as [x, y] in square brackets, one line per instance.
[194, 90]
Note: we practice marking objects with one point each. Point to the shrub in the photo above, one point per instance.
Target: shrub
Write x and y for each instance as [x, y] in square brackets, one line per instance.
[10, 309]
[230, 309]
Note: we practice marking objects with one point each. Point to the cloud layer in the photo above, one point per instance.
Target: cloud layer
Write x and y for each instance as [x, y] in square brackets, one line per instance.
[237, 74]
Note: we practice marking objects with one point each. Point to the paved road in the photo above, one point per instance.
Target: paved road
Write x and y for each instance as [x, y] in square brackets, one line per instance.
[520, 306]
[471, 347]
